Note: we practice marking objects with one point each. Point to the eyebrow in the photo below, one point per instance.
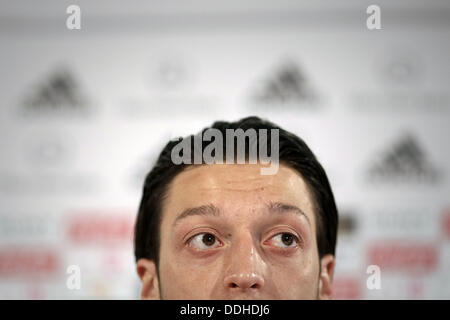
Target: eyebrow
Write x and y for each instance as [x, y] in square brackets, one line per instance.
[205, 210]
[280, 207]
[212, 210]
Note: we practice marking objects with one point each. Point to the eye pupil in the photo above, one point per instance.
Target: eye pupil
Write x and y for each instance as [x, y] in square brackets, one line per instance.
[287, 238]
[208, 239]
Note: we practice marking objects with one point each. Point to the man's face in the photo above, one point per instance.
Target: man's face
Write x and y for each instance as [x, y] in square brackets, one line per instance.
[228, 232]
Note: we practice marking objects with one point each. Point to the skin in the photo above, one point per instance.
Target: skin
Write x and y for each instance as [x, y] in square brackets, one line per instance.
[228, 232]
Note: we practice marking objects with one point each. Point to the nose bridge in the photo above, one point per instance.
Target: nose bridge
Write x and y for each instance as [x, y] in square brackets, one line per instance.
[246, 267]
[245, 253]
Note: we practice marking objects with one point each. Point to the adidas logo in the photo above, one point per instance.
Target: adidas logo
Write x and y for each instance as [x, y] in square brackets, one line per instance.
[347, 223]
[404, 162]
[58, 93]
[287, 86]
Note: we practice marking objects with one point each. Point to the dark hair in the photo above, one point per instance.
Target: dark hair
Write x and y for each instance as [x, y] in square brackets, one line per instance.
[293, 152]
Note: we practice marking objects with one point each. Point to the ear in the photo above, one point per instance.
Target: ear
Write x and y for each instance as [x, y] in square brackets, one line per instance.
[326, 276]
[146, 269]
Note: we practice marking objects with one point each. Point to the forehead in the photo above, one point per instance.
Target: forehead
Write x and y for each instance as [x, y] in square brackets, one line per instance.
[234, 187]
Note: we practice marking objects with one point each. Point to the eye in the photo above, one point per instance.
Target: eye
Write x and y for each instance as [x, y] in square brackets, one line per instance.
[204, 241]
[284, 240]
